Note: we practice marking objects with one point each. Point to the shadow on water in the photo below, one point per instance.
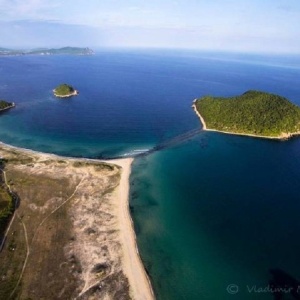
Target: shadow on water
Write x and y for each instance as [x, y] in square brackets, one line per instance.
[283, 285]
[169, 143]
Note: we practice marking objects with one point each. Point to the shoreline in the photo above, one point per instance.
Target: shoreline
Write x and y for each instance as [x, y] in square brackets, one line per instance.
[75, 93]
[282, 137]
[139, 282]
[8, 107]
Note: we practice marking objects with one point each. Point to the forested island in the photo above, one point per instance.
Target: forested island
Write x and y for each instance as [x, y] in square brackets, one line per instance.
[48, 51]
[253, 113]
[4, 105]
[64, 91]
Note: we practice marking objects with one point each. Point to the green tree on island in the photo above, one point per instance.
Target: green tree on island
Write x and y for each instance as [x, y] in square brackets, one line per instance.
[64, 90]
[254, 112]
[4, 104]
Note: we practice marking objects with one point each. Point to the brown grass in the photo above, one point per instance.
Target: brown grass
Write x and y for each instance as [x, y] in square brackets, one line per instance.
[63, 203]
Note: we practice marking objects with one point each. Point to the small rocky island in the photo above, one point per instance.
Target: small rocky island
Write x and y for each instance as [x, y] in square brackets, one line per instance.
[253, 113]
[4, 105]
[65, 91]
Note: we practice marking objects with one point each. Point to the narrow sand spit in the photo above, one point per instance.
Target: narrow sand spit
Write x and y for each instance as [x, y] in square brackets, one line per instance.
[133, 267]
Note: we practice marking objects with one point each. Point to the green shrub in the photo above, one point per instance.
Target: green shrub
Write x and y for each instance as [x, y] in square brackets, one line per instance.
[64, 89]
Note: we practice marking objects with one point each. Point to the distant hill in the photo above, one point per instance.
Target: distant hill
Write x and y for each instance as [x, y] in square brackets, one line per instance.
[252, 113]
[47, 51]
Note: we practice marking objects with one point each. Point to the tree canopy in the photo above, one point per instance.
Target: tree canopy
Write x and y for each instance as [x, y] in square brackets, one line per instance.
[253, 112]
[64, 90]
[4, 104]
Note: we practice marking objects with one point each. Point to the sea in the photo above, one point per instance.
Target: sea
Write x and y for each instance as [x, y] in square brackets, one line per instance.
[216, 216]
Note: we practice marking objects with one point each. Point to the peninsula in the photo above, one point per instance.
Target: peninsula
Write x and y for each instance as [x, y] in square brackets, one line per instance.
[4, 105]
[253, 113]
[47, 51]
[66, 230]
[65, 91]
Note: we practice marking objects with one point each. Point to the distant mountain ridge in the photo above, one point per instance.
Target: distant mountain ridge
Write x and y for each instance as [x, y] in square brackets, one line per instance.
[48, 51]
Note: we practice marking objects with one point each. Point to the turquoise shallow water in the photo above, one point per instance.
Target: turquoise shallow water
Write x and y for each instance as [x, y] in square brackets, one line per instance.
[223, 210]
[213, 211]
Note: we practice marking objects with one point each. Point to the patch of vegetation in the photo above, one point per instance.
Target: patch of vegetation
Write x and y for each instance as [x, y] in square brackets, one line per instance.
[64, 90]
[103, 167]
[79, 164]
[6, 208]
[6, 203]
[4, 104]
[253, 112]
[98, 166]
[47, 162]
[44, 277]
[108, 191]
[19, 160]
[12, 258]
[62, 162]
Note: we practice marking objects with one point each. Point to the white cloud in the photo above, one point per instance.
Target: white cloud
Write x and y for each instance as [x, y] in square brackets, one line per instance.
[162, 23]
[29, 9]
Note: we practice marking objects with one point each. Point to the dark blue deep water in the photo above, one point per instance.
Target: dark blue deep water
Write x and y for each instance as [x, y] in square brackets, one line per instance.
[215, 215]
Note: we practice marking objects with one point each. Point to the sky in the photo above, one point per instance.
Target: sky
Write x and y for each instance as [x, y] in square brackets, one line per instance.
[261, 26]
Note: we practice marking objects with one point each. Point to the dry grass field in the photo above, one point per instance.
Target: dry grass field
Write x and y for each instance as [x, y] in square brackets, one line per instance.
[63, 239]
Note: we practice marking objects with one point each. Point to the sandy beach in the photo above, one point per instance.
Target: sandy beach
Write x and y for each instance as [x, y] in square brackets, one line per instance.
[283, 136]
[133, 266]
[113, 221]
[75, 93]
[198, 114]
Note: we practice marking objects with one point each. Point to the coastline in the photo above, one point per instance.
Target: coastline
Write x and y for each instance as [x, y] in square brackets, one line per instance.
[139, 283]
[284, 136]
[8, 107]
[198, 114]
[75, 93]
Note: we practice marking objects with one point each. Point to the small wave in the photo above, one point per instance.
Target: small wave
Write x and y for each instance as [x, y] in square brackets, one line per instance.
[135, 152]
[126, 154]
[141, 150]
